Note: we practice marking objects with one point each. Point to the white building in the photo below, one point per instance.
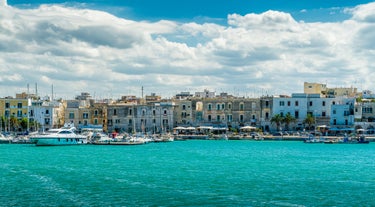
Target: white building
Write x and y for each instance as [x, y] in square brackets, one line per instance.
[46, 115]
[299, 105]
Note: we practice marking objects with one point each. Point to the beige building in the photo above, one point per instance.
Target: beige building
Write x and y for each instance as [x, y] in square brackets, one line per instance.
[12, 108]
[315, 88]
[318, 88]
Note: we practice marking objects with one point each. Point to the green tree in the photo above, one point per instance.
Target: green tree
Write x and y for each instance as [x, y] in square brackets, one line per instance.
[309, 120]
[14, 123]
[23, 124]
[287, 120]
[277, 119]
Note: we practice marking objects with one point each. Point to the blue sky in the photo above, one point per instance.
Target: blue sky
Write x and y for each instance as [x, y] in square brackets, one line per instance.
[243, 47]
[317, 10]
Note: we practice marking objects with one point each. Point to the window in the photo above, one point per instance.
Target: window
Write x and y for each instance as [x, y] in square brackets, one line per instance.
[296, 103]
[241, 107]
[222, 106]
[218, 118]
[85, 115]
[229, 106]
[130, 112]
[241, 118]
[209, 107]
[19, 105]
[95, 121]
[117, 121]
[143, 112]
[323, 103]
[253, 105]
[288, 103]
[130, 121]
[267, 103]
[47, 111]
[267, 115]
[334, 112]
[7, 105]
[282, 103]
[96, 113]
[209, 117]
[367, 110]
[71, 115]
[229, 117]
[282, 114]
[184, 107]
[296, 114]
[218, 107]
[19, 113]
[165, 112]
[114, 112]
[323, 113]
[154, 112]
[310, 103]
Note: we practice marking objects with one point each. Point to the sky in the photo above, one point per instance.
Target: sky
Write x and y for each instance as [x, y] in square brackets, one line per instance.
[242, 47]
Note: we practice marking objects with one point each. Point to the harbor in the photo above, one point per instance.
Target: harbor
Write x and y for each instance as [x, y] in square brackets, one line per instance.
[188, 173]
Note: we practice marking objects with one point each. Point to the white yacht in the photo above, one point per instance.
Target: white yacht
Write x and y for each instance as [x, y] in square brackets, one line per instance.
[56, 137]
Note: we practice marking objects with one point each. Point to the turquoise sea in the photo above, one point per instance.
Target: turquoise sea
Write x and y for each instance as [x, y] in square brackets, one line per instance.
[189, 173]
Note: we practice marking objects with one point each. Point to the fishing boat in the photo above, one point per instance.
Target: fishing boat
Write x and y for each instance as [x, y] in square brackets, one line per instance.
[4, 139]
[56, 137]
[311, 139]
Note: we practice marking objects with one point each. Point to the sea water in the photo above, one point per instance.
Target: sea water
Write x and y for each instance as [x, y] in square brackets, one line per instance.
[189, 173]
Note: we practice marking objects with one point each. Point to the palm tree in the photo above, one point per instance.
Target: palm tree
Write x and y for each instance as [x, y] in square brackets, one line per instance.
[309, 120]
[287, 120]
[13, 123]
[277, 119]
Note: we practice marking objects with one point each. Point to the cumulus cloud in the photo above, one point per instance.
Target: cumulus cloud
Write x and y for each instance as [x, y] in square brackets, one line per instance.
[79, 49]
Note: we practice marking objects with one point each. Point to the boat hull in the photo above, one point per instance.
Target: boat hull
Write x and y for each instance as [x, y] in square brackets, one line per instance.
[119, 143]
[58, 141]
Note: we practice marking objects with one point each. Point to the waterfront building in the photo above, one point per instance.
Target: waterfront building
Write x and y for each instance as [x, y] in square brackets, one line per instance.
[230, 112]
[136, 117]
[46, 114]
[97, 116]
[77, 112]
[266, 105]
[342, 116]
[13, 109]
[299, 105]
[183, 113]
[367, 109]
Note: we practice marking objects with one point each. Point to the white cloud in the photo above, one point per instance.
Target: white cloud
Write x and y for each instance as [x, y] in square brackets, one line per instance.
[87, 50]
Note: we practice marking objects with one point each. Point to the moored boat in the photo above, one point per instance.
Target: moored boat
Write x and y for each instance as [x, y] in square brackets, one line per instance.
[61, 136]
